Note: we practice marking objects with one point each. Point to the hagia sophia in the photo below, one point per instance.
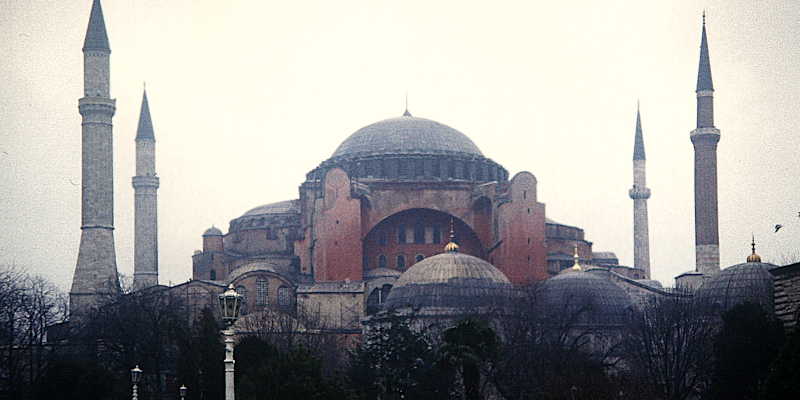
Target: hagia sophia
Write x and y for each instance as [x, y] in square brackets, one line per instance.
[368, 227]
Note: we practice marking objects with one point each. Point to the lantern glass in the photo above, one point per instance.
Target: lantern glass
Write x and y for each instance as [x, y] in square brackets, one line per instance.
[230, 304]
[136, 374]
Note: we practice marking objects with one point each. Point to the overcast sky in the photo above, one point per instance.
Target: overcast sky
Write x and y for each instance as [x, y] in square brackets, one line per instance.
[248, 96]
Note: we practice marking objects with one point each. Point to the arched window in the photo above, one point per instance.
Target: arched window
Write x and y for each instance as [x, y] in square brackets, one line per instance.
[419, 258]
[284, 296]
[401, 233]
[381, 261]
[419, 232]
[383, 238]
[401, 261]
[213, 275]
[242, 291]
[262, 292]
[437, 234]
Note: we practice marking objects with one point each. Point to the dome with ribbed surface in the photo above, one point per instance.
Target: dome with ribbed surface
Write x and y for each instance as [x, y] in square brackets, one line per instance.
[748, 282]
[586, 297]
[281, 207]
[406, 135]
[450, 280]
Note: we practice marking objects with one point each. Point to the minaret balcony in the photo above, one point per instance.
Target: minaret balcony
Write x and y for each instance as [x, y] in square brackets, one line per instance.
[639, 193]
[145, 181]
[93, 104]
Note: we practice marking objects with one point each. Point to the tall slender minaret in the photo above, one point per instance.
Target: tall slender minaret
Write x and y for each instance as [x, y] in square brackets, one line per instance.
[96, 271]
[145, 185]
[640, 193]
[705, 138]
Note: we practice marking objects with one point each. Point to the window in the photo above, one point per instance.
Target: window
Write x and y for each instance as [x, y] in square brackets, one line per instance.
[437, 234]
[401, 234]
[419, 233]
[401, 262]
[242, 291]
[213, 276]
[284, 296]
[383, 238]
[381, 261]
[419, 257]
[262, 292]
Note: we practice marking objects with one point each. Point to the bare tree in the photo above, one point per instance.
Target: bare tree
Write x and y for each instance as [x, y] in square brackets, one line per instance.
[29, 304]
[670, 347]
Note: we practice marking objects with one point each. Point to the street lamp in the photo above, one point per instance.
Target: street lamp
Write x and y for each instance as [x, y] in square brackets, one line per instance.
[136, 374]
[182, 390]
[230, 303]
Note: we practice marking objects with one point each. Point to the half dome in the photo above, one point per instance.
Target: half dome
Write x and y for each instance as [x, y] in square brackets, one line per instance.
[450, 280]
[406, 135]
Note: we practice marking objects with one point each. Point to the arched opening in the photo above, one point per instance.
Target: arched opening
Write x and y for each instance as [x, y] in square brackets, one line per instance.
[419, 232]
[377, 297]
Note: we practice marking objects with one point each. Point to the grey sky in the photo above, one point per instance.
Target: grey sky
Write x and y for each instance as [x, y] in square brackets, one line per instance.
[248, 96]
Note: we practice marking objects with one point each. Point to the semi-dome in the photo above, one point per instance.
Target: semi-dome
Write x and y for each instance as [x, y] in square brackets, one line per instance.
[450, 280]
[406, 135]
[747, 282]
[589, 297]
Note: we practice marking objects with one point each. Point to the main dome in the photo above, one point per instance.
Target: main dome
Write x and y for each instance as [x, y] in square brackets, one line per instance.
[406, 135]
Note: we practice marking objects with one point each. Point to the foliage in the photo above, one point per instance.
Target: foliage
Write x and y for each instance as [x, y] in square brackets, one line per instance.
[199, 364]
[79, 380]
[470, 345]
[265, 372]
[783, 381]
[395, 362]
[744, 348]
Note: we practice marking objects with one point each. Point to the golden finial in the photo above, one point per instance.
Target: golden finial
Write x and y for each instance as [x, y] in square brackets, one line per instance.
[451, 246]
[576, 266]
[753, 257]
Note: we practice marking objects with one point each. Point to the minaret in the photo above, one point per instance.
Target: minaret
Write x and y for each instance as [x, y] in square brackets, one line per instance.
[640, 193]
[145, 185]
[95, 275]
[705, 138]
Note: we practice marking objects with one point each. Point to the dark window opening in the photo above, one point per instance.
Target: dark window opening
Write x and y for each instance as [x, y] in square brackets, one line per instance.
[383, 238]
[419, 233]
[419, 257]
[401, 262]
[381, 261]
[401, 234]
[213, 276]
[437, 234]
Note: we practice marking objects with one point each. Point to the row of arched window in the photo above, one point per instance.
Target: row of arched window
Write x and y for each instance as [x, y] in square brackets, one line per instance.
[416, 234]
[262, 293]
[400, 261]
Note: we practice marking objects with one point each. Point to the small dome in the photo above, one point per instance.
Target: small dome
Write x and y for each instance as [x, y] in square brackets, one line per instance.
[450, 280]
[281, 207]
[591, 294]
[213, 231]
[406, 135]
[748, 282]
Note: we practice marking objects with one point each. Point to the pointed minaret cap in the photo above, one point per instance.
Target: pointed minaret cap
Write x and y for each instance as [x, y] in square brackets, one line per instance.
[638, 141]
[704, 81]
[753, 257]
[576, 266]
[96, 36]
[145, 129]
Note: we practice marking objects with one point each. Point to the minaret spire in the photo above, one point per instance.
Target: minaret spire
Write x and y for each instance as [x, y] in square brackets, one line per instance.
[95, 277]
[704, 139]
[639, 193]
[145, 185]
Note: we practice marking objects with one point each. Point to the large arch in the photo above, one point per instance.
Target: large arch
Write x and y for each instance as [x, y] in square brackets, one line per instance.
[402, 238]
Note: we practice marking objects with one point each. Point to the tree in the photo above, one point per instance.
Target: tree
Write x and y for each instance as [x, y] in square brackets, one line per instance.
[745, 347]
[469, 345]
[670, 347]
[783, 381]
[29, 304]
[265, 372]
[395, 362]
[199, 364]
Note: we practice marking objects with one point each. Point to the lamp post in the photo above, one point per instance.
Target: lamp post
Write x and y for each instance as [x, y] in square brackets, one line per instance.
[182, 390]
[136, 374]
[230, 303]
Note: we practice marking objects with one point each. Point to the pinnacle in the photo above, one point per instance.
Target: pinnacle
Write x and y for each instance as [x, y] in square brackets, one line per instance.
[638, 144]
[145, 129]
[704, 81]
[96, 36]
